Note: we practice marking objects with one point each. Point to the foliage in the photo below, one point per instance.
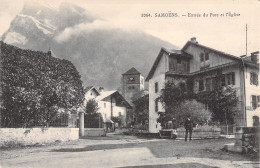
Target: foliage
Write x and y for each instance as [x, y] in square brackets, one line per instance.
[91, 117]
[91, 108]
[223, 104]
[36, 87]
[180, 100]
[117, 120]
[141, 108]
[178, 103]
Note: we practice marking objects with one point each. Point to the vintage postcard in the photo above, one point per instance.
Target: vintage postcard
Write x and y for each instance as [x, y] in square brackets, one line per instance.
[127, 83]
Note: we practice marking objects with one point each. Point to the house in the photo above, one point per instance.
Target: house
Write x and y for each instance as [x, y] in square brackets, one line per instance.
[201, 64]
[111, 104]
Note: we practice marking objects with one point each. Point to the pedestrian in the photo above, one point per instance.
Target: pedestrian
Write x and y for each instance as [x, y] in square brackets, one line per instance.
[188, 127]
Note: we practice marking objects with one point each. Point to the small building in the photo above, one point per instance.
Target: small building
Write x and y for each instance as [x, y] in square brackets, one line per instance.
[111, 104]
[201, 64]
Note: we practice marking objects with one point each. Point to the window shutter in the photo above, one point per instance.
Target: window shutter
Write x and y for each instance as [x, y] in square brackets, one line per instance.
[156, 105]
[258, 101]
[256, 79]
[201, 57]
[254, 104]
[223, 80]
[156, 87]
[251, 78]
[233, 78]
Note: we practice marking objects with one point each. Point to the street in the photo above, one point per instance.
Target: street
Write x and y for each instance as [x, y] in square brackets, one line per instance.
[127, 151]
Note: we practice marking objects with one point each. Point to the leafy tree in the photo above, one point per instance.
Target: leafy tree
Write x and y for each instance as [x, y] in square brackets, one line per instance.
[141, 108]
[117, 120]
[178, 103]
[223, 104]
[92, 108]
[91, 117]
[36, 87]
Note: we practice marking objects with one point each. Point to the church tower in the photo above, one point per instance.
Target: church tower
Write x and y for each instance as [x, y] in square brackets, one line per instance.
[132, 82]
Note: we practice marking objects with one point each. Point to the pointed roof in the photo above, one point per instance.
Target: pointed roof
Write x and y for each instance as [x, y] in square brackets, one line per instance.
[169, 52]
[88, 88]
[131, 71]
[120, 99]
[51, 53]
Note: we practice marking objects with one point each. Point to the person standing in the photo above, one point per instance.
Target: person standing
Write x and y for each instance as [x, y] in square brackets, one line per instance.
[188, 127]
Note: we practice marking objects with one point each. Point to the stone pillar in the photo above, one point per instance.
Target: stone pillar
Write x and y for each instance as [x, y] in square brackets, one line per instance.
[81, 124]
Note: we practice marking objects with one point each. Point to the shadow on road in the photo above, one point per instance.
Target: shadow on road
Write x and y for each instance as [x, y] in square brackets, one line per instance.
[179, 165]
[96, 147]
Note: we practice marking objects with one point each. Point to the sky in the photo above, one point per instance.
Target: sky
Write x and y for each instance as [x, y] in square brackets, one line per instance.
[222, 32]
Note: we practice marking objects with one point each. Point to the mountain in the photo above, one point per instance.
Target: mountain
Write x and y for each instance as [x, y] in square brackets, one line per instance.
[100, 52]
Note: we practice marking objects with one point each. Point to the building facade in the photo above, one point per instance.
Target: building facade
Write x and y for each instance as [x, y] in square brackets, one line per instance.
[132, 82]
[110, 103]
[202, 64]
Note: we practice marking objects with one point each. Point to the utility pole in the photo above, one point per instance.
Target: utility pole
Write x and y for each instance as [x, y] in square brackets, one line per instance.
[246, 39]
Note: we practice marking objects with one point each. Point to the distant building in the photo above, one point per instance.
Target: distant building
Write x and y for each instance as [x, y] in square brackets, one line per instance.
[201, 64]
[132, 82]
[111, 103]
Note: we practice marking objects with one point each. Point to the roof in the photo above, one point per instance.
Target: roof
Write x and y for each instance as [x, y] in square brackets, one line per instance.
[183, 53]
[131, 71]
[211, 49]
[105, 94]
[107, 120]
[114, 93]
[88, 88]
[169, 52]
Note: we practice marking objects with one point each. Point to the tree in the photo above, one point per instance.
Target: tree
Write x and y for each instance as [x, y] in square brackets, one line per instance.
[178, 103]
[141, 108]
[91, 117]
[223, 104]
[36, 87]
[117, 120]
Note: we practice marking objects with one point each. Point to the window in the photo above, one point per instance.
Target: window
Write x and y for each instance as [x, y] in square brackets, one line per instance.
[156, 105]
[172, 63]
[208, 84]
[201, 85]
[255, 101]
[156, 87]
[223, 80]
[105, 105]
[230, 78]
[206, 56]
[253, 78]
[202, 57]
[119, 113]
[204, 60]
[178, 60]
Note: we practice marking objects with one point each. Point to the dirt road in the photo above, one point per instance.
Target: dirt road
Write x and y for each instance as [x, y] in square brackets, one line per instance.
[128, 151]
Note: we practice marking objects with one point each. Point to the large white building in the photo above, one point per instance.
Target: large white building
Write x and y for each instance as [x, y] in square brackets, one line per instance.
[201, 64]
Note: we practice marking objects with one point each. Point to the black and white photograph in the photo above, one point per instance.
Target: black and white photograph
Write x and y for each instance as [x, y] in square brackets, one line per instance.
[129, 84]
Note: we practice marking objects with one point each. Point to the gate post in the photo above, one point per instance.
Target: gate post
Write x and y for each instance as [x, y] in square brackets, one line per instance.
[81, 124]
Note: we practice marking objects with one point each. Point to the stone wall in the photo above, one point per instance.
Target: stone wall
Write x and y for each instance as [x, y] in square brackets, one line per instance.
[30, 136]
[94, 132]
[203, 132]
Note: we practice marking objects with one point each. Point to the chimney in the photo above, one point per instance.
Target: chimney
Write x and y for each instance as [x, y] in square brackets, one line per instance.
[255, 57]
[49, 52]
[193, 40]
[100, 89]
